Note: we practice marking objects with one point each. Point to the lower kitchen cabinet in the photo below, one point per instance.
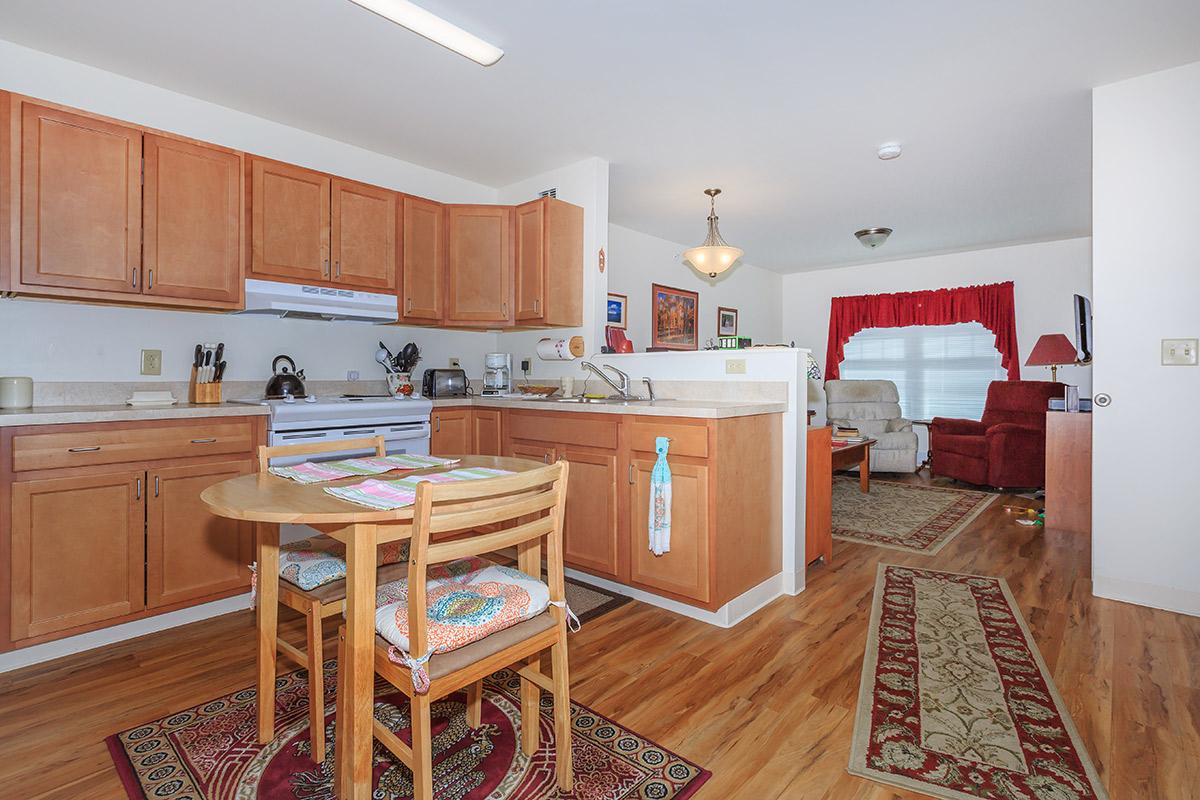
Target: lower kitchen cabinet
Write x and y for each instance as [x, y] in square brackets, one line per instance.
[591, 533]
[545, 453]
[189, 552]
[77, 551]
[450, 432]
[684, 569]
[486, 431]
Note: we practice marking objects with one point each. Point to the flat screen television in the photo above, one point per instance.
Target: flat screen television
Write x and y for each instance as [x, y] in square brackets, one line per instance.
[1083, 329]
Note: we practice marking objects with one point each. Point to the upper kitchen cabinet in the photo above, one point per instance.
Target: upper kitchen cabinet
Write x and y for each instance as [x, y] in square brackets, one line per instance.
[191, 221]
[81, 201]
[363, 235]
[289, 220]
[423, 261]
[548, 272]
[479, 265]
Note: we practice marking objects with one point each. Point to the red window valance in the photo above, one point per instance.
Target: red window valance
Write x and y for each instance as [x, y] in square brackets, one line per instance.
[991, 305]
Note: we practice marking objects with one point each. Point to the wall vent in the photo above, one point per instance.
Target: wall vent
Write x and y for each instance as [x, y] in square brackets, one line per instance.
[548, 193]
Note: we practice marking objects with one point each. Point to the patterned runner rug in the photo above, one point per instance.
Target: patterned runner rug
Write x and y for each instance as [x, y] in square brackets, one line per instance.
[210, 752]
[589, 602]
[955, 700]
[903, 516]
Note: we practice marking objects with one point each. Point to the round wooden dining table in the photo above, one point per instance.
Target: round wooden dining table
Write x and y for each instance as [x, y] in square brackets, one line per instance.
[268, 501]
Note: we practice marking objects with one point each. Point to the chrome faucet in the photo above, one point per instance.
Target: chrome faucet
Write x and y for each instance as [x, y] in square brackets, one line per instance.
[649, 388]
[621, 388]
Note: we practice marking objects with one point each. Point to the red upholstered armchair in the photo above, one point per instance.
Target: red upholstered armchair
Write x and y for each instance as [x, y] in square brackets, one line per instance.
[1007, 448]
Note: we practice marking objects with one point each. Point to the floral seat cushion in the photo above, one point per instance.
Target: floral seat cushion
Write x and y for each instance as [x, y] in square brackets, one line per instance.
[316, 561]
[466, 601]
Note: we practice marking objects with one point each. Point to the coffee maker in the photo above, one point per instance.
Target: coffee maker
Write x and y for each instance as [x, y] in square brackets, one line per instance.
[497, 374]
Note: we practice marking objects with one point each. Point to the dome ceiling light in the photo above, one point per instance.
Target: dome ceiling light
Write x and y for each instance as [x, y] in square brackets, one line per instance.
[714, 256]
[873, 238]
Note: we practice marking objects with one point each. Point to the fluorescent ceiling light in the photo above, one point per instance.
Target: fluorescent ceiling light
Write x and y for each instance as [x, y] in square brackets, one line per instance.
[435, 29]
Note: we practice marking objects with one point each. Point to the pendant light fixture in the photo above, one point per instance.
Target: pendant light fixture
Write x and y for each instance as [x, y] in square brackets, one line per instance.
[714, 256]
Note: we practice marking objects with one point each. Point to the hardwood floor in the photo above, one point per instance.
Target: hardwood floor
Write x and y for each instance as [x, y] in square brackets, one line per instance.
[767, 706]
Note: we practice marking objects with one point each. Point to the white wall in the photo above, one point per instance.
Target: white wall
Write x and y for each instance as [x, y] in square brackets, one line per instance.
[70, 341]
[1146, 199]
[637, 260]
[585, 184]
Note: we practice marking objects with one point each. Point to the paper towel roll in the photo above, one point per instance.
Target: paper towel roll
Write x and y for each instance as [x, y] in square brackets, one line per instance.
[560, 349]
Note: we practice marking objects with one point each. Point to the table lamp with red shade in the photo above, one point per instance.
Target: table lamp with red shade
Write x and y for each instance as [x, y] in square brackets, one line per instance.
[1052, 350]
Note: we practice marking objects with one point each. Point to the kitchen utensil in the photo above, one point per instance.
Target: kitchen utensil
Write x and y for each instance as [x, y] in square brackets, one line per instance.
[220, 372]
[198, 361]
[205, 373]
[381, 356]
[219, 354]
[284, 382]
[16, 392]
[387, 352]
[409, 357]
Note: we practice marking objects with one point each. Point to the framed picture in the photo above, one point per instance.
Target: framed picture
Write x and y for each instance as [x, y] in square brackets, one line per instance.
[674, 318]
[727, 319]
[617, 306]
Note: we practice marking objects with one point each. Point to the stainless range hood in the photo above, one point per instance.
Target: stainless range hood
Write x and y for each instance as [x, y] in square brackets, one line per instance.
[298, 301]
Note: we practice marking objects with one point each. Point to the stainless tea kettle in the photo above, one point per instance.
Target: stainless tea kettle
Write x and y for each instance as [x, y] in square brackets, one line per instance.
[285, 383]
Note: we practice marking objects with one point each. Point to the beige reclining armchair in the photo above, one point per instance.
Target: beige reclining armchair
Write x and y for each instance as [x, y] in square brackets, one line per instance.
[874, 408]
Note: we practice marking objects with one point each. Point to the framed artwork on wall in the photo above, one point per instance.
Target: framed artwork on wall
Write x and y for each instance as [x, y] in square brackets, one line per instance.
[727, 321]
[618, 305]
[673, 320]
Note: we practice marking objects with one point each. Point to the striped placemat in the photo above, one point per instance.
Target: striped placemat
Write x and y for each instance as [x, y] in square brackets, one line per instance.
[387, 495]
[318, 471]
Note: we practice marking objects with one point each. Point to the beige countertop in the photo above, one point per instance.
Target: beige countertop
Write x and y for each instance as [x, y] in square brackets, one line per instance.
[702, 409]
[62, 415]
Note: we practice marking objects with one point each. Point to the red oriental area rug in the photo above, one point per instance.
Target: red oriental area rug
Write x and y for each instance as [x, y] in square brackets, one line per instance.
[955, 700]
[210, 752]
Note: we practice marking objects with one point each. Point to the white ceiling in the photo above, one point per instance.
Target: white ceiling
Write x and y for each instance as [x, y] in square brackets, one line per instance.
[782, 104]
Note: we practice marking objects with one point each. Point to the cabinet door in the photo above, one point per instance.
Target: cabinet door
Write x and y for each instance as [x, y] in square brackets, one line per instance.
[81, 201]
[479, 264]
[191, 218]
[451, 434]
[363, 235]
[189, 552]
[590, 528]
[77, 551]
[424, 260]
[289, 211]
[546, 453]
[486, 432]
[529, 268]
[684, 569]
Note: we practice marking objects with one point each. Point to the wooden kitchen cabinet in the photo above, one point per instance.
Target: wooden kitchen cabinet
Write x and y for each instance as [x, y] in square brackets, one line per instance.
[818, 503]
[548, 263]
[486, 431]
[546, 453]
[191, 222]
[451, 432]
[77, 551]
[684, 569]
[189, 552]
[478, 265]
[81, 201]
[591, 529]
[289, 222]
[423, 261]
[363, 234]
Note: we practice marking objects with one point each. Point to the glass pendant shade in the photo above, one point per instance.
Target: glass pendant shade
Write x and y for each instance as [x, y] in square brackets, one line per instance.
[714, 256]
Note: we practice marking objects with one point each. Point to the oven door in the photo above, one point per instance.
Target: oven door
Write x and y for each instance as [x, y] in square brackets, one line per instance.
[399, 437]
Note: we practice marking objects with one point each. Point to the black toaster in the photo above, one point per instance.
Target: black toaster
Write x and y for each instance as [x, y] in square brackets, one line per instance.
[444, 383]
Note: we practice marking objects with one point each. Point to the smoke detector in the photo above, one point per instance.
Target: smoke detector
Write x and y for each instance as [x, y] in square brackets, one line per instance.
[872, 238]
[889, 151]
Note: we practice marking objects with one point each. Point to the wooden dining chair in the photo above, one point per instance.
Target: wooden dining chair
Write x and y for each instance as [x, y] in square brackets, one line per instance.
[314, 562]
[428, 655]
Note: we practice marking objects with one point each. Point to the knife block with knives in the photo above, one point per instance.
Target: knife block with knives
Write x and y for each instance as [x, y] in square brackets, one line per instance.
[208, 370]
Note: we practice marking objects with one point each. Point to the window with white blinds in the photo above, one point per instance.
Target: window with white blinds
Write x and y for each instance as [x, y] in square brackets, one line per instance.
[940, 370]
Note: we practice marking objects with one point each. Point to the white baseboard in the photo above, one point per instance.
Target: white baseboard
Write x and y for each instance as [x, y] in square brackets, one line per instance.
[1168, 598]
[728, 615]
[49, 651]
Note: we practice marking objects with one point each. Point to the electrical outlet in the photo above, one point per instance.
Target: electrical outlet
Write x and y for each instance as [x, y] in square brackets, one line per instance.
[735, 366]
[351, 375]
[454, 363]
[152, 362]
[1179, 352]
[526, 363]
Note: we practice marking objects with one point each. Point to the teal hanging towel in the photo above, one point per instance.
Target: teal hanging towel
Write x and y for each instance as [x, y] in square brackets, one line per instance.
[660, 500]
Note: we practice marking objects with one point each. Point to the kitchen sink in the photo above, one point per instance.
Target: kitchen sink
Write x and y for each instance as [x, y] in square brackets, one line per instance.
[604, 401]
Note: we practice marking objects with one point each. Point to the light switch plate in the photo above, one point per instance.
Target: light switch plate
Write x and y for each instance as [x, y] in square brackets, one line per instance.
[152, 362]
[1179, 352]
[735, 366]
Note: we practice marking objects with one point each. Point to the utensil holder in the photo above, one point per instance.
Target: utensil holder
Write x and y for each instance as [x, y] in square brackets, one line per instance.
[203, 393]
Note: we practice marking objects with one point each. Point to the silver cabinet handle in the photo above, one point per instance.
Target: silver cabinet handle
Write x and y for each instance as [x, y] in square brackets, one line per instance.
[546, 458]
[337, 266]
[631, 475]
[150, 280]
[156, 486]
[203, 441]
[135, 273]
[408, 307]
[437, 424]
[537, 306]
[504, 310]
[139, 489]
[325, 268]
[84, 449]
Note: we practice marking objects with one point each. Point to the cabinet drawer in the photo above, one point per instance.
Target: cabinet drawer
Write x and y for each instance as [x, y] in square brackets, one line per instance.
[109, 445]
[564, 428]
[686, 440]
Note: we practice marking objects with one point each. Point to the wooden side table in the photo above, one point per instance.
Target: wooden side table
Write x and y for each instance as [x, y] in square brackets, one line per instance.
[1069, 471]
[850, 455]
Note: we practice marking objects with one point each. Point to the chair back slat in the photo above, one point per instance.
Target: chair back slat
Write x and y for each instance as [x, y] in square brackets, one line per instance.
[489, 542]
[451, 519]
[266, 453]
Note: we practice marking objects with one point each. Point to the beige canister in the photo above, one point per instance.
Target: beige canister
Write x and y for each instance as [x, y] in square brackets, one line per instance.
[16, 392]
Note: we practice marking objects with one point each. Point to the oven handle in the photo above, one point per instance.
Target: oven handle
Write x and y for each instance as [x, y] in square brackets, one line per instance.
[320, 435]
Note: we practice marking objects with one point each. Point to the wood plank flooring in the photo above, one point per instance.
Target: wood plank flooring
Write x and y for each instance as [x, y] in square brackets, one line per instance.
[767, 706]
